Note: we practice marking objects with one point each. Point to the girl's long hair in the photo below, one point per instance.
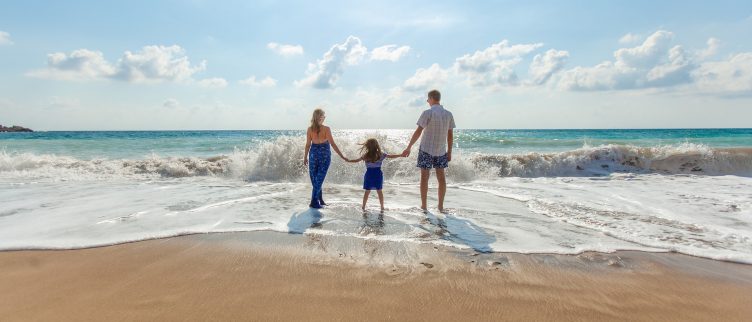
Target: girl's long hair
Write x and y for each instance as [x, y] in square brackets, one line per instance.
[315, 126]
[370, 151]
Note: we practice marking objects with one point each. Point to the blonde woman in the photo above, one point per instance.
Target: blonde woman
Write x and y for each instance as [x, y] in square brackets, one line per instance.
[318, 156]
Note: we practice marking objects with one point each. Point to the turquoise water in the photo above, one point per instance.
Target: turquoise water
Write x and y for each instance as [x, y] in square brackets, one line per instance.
[137, 144]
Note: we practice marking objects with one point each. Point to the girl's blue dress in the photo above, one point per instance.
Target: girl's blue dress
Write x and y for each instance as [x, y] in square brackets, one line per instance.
[374, 178]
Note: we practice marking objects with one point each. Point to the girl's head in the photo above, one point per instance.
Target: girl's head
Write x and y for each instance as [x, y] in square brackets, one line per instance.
[370, 150]
[317, 119]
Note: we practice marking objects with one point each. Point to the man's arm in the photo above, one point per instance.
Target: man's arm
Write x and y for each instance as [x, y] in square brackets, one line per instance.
[415, 137]
[450, 141]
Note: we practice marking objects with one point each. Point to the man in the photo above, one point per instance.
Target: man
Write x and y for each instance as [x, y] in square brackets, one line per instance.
[435, 125]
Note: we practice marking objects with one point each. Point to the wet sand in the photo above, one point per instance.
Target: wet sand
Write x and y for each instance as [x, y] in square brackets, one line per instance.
[273, 276]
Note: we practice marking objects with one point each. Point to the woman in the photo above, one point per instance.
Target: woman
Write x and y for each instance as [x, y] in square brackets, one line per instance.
[318, 139]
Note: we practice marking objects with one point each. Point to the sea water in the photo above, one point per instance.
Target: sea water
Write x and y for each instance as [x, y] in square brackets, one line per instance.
[528, 191]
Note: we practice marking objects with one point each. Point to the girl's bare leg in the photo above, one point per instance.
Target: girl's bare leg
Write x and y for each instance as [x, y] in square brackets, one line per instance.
[365, 199]
[381, 199]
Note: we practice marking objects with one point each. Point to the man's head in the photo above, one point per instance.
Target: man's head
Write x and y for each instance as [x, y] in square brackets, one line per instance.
[434, 97]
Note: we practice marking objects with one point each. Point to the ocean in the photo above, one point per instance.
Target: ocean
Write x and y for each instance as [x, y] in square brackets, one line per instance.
[525, 191]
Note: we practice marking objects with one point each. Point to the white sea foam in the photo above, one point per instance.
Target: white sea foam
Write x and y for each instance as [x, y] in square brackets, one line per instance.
[685, 198]
[281, 160]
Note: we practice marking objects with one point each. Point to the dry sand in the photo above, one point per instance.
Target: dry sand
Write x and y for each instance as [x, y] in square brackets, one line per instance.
[272, 276]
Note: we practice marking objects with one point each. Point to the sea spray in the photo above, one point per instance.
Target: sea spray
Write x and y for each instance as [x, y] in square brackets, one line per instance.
[281, 160]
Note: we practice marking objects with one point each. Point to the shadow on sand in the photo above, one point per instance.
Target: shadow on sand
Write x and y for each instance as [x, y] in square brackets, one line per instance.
[462, 231]
[303, 220]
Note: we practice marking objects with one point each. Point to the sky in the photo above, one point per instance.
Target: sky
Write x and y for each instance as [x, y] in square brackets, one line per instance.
[178, 65]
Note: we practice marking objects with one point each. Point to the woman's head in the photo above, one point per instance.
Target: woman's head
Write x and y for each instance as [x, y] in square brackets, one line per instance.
[370, 150]
[317, 119]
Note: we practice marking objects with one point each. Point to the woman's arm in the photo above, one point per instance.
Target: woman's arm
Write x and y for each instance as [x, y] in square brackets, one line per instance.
[334, 145]
[307, 146]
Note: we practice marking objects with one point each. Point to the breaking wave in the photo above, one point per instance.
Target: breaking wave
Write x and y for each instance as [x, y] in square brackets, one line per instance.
[281, 160]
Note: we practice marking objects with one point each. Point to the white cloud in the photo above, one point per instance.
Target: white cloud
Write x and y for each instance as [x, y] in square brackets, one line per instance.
[493, 65]
[328, 69]
[389, 52]
[675, 71]
[733, 76]
[426, 78]
[5, 38]
[266, 82]
[81, 64]
[647, 54]
[285, 50]
[629, 39]
[654, 63]
[711, 50]
[213, 82]
[152, 64]
[156, 63]
[171, 103]
[543, 66]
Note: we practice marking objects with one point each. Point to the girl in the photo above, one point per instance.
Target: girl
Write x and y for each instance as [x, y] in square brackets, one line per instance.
[318, 138]
[374, 178]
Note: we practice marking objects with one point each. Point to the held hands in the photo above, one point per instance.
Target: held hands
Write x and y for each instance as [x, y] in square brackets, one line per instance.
[406, 153]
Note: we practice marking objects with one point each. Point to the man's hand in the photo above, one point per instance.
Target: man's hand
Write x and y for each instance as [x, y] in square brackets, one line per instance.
[449, 156]
[406, 153]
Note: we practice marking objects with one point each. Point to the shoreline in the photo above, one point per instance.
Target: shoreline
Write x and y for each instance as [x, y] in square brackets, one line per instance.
[269, 275]
[450, 249]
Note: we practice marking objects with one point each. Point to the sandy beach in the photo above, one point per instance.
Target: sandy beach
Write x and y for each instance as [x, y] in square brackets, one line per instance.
[273, 276]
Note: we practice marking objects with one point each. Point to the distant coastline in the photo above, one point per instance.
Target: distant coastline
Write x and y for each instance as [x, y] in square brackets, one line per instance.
[15, 128]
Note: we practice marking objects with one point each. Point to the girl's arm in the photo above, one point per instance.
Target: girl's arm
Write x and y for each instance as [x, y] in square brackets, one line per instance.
[354, 160]
[334, 145]
[392, 156]
[307, 146]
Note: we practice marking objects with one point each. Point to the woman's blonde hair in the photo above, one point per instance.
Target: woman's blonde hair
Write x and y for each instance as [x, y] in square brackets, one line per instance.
[315, 126]
[370, 151]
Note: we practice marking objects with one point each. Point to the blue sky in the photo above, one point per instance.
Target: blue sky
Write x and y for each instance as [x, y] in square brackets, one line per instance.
[88, 65]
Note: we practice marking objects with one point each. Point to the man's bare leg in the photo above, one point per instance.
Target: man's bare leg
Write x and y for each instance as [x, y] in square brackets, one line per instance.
[440, 175]
[424, 175]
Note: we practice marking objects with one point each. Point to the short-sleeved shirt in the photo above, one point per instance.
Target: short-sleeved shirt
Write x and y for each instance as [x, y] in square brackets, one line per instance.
[435, 122]
[376, 164]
